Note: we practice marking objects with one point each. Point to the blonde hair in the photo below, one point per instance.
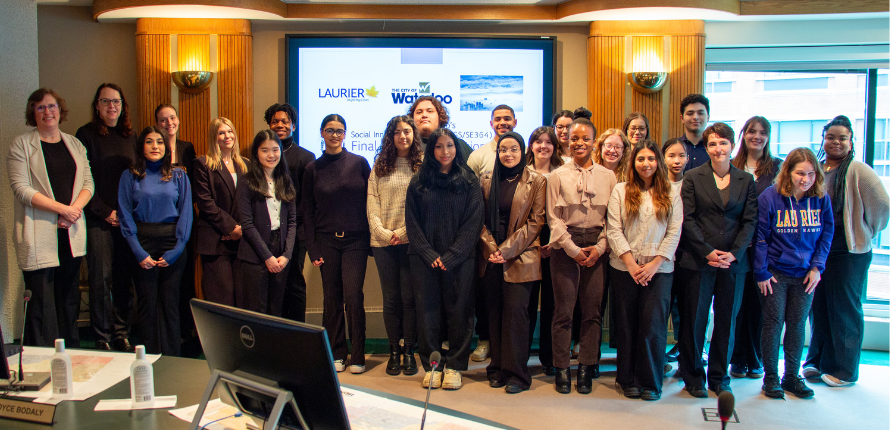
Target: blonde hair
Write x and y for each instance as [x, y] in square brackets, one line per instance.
[799, 155]
[621, 169]
[214, 156]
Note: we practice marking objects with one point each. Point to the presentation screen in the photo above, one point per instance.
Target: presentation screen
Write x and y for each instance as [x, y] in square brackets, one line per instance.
[370, 80]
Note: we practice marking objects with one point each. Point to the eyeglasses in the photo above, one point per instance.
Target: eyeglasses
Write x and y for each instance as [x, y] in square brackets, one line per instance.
[561, 127]
[514, 150]
[50, 107]
[334, 132]
[106, 102]
[613, 148]
[634, 129]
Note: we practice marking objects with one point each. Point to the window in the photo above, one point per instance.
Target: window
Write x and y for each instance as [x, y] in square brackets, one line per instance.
[718, 87]
[798, 105]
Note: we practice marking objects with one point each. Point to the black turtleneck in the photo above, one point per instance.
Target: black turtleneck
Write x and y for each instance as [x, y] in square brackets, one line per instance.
[465, 149]
[297, 159]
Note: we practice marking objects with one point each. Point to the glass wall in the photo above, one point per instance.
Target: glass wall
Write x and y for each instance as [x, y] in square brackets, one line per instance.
[798, 105]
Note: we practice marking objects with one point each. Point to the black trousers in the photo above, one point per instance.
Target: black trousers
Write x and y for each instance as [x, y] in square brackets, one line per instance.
[444, 297]
[544, 288]
[748, 327]
[263, 291]
[836, 321]
[573, 283]
[508, 320]
[725, 289]
[220, 279]
[482, 323]
[397, 285]
[55, 299]
[157, 291]
[294, 307]
[343, 278]
[640, 314]
[112, 293]
[187, 288]
[676, 305]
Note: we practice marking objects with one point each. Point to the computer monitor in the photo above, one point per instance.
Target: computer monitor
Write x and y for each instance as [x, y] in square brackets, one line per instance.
[295, 356]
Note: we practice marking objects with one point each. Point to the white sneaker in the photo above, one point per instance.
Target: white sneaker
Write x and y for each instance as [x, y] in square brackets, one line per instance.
[481, 352]
[452, 380]
[356, 369]
[811, 372]
[445, 345]
[436, 378]
[835, 382]
[339, 365]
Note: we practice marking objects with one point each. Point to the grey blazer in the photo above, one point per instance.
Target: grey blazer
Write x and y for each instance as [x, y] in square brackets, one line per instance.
[35, 230]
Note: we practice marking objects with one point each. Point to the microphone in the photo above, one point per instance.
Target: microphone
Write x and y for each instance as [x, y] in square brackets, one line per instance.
[36, 380]
[435, 357]
[725, 407]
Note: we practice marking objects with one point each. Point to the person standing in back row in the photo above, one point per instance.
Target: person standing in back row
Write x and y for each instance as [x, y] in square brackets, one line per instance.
[109, 140]
[430, 114]
[282, 119]
[695, 110]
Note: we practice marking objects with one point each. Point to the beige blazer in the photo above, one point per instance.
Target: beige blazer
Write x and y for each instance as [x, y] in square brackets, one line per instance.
[35, 230]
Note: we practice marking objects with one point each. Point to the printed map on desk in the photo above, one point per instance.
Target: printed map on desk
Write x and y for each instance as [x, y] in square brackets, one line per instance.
[94, 371]
[369, 412]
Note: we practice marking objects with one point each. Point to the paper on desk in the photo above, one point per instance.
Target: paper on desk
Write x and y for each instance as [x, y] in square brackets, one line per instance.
[215, 410]
[93, 371]
[161, 402]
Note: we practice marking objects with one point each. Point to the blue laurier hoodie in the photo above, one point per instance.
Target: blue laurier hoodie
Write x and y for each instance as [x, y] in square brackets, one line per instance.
[792, 236]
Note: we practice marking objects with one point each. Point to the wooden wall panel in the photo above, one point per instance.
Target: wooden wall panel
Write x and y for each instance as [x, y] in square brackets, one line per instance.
[647, 56]
[235, 86]
[194, 108]
[688, 76]
[152, 75]
[606, 81]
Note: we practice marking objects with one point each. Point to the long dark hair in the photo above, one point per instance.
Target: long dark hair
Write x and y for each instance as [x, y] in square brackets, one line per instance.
[385, 161]
[138, 166]
[123, 122]
[660, 189]
[561, 114]
[460, 177]
[633, 116]
[840, 182]
[765, 163]
[256, 178]
[555, 159]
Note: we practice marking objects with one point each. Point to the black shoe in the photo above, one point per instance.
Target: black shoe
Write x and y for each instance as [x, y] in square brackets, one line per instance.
[721, 388]
[409, 364]
[771, 387]
[394, 365]
[103, 346]
[549, 370]
[672, 355]
[585, 376]
[795, 385]
[563, 383]
[513, 388]
[738, 370]
[650, 394]
[123, 345]
[495, 382]
[632, 392]
[697, 390]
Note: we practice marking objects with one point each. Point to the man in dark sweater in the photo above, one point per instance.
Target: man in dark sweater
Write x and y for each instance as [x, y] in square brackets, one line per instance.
[429, 114]
[282, 119]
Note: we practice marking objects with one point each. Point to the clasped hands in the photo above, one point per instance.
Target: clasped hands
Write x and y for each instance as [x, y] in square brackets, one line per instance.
[588, 256]
[69, 215]
[720, 259]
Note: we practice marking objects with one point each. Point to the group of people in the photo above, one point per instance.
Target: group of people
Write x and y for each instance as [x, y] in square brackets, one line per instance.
[583, 219]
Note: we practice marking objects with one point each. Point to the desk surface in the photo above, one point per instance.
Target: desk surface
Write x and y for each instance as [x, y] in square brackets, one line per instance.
[184, 377]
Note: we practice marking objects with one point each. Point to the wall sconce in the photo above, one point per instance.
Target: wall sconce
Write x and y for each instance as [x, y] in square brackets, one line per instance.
[647, 82]
[192, 81]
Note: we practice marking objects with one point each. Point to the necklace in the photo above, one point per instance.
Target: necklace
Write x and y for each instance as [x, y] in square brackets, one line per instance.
[514, 178]
[719, 176]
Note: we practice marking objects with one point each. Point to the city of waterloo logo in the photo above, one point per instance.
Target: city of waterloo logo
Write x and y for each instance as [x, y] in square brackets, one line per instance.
[423, 87]
[350, 94]
[409, 95]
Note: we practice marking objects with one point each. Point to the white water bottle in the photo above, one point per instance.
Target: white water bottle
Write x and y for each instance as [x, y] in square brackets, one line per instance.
[60, 368]
[142, 380]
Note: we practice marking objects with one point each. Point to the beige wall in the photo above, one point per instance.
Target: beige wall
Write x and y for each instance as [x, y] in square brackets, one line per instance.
[78, 54]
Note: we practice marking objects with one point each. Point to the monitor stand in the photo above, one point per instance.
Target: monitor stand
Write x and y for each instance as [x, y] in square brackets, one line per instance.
[282, 399]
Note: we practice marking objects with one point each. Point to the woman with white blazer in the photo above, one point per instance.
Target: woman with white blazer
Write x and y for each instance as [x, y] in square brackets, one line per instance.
[50, 177]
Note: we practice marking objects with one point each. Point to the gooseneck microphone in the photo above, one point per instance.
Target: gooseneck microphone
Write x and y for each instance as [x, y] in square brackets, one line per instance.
[435, 357]
[27, 298]
[725, 407]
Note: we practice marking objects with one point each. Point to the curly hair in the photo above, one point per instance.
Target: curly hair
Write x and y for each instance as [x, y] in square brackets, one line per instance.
[37, 97]
[123, 122]
[440, 109]
[597, 156]
[387, 153]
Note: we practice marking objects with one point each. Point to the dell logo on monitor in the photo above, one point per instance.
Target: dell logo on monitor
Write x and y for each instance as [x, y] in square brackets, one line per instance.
[247, 336]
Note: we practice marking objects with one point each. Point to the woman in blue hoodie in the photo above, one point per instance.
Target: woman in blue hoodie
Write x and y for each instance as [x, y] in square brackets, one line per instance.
[793, 239]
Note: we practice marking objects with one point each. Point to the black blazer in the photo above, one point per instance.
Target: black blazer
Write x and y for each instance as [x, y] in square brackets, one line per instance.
[256, 228]
[707, 225]
[214, 192]
[185, 157]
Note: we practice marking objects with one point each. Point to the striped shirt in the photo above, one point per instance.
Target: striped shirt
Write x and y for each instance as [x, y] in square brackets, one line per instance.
[386, 204]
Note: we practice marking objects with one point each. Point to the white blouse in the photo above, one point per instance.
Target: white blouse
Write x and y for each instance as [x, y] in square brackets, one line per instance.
[646, 237]
[274, 206]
